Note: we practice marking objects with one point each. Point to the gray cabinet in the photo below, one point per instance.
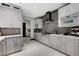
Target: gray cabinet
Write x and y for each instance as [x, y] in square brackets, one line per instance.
[65, 44]
[43, 38]
[46, 40]
[17, 43]
[38, 36]
[1, 47]
[56, 42]
[13, 44]
[59, 43]
[53, 41]
[10, 44]
[71, 47]
[68, 11]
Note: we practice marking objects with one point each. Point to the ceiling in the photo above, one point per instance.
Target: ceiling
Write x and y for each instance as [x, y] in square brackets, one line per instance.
[38, 9]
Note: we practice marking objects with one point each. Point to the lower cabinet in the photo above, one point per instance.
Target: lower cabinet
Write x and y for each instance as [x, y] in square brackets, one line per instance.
[43, 38]
[46, 39]
[38, 36]
[17, 45]
[13, 44]
[10, 44]
[53, 41]
[71, 47]
[66, 44]
[2, 48]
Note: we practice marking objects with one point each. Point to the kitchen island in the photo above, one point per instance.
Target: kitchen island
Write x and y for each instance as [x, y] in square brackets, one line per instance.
[10, 44]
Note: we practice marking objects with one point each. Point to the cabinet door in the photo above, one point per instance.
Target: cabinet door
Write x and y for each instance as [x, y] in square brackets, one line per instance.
[17, 43]
[59, 43]
[38, 36]
[74, 7]
[63, 44]
[64, 11]
[8, 45]
[47, 40]
[72, 46]
[53, 41]
[76, 47]
[42, 39]
[13, 44]
[1, 47]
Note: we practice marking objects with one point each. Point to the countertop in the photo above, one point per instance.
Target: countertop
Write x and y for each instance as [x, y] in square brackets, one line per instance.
[68, 36]
[3, 37]
[61, 35]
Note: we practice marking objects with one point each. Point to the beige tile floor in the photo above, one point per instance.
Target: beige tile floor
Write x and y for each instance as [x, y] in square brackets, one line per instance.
[34, 48]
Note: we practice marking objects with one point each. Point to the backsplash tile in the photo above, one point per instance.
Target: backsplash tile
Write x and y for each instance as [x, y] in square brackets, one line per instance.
[10, 31]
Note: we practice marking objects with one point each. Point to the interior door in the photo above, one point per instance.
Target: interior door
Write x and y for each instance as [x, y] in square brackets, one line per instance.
[24, 29]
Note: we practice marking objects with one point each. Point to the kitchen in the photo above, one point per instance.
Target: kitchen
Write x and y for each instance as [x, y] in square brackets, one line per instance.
[61, 29]
[57, 27]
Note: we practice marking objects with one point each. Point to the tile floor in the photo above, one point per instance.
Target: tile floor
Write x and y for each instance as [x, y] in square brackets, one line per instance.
[34, 48]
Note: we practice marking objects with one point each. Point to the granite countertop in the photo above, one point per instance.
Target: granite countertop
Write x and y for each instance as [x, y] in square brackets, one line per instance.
[67, 36]
[3, 37]
[59, 35]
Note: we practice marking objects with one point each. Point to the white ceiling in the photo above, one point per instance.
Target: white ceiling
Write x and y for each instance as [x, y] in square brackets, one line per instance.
[38, 9]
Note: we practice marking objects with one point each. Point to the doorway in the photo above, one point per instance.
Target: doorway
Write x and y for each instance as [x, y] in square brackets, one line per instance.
[24, 29]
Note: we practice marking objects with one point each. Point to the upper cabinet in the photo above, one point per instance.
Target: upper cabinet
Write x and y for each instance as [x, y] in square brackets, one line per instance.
[10, 17]
[38, 23]
[47, 17]
[74, 8]
[66, 12]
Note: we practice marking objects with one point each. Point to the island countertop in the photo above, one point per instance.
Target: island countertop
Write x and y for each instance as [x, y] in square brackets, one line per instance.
[3, 37]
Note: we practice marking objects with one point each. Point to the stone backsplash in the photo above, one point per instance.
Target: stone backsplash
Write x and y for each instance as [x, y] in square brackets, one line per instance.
[52, 27]
[10, 31]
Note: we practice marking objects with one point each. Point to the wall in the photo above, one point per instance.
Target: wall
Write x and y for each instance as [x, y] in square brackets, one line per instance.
[10, 31]
[32, 25]
[10, 18]
[38, 23]
[52, 27]
[27, 28]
